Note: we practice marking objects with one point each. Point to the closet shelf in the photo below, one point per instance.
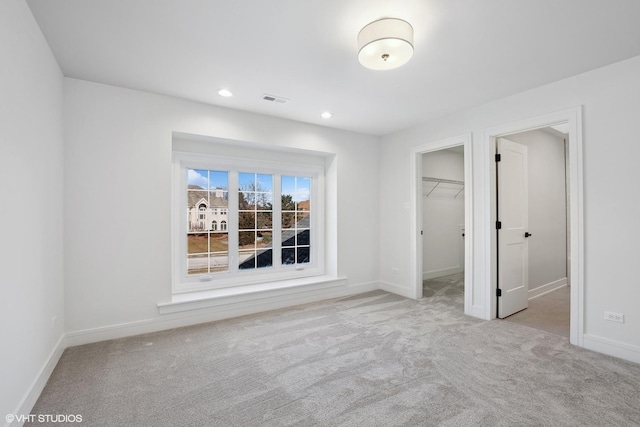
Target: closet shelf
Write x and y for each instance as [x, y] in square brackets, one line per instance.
[439, 181]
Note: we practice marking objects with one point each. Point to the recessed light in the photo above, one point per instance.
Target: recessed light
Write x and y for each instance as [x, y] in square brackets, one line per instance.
[225, 92]
[326, 115]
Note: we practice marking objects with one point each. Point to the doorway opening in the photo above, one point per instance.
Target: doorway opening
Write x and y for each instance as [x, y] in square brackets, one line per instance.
[441, 196]
[533, 225]
[443, 229]
[574, 236]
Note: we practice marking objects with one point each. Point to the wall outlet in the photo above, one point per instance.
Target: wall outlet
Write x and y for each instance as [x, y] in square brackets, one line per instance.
[394, 270]
[614, 317]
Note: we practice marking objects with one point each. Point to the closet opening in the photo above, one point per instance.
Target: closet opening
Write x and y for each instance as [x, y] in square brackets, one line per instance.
[441, 253]
[443, 225]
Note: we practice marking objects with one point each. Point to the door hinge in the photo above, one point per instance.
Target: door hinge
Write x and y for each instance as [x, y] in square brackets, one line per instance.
[498, 158]
[498, 225]
[498, 292]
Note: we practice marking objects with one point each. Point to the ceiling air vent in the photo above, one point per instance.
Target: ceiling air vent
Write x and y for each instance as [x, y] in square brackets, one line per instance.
[276, 99]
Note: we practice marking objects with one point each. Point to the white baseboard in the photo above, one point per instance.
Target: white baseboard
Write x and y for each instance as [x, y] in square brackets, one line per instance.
[396, 289]
[33, 393]
[442, 272]
[210, 314]
[612, 348]
[549, 287]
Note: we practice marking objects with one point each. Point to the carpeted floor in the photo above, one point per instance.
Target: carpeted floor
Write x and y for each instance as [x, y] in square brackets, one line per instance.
[449, 286]
[375, 359]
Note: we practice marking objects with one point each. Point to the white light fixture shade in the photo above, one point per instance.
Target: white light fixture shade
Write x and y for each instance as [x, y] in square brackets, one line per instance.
[385, 44]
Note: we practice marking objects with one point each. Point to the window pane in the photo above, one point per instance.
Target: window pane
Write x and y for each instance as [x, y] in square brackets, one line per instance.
[246, 200]
[198, 178]
[288, 220]
[246, 220]
[264, 201]
[247, 260]
[219, 242]
[247, 239]
[264, 258]
[303, 220]
[197, 206]
[264, 183]
[219, 255]
[303, 255]
[288, 256]
[287, 203]
[288, 238]
[302, 237]
[265, 220]
[263, 239]
[303, 189]
[219, 262]
[246, 181]
[197, 243]
[219, 180]
[197, 264]
[288, 184]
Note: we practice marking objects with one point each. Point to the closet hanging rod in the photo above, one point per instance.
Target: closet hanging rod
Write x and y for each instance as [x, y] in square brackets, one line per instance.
[438, 181]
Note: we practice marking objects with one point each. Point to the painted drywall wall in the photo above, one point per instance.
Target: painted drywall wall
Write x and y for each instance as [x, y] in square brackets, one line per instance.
[32, 316]
[118, 197]
[610, 97]
[443, 214]
[547, 209]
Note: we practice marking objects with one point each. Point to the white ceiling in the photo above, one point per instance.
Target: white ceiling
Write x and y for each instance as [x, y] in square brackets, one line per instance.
[467, 52]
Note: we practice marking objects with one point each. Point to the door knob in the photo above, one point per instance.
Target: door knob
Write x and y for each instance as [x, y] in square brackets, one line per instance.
[527, 234]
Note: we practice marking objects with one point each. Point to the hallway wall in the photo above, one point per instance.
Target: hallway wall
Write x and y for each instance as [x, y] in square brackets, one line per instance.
[610, 102]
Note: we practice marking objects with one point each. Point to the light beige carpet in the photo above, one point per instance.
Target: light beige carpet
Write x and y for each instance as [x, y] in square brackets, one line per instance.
[370, 360]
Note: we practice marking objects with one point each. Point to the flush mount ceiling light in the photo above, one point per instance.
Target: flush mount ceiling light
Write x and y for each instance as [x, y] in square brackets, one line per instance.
[225, 92]
[385, 44]
[326, 115]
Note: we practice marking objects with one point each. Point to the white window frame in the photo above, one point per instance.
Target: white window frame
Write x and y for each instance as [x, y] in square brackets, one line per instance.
[234, 277]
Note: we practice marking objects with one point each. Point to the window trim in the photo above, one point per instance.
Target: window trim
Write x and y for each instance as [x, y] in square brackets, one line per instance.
[181, 283]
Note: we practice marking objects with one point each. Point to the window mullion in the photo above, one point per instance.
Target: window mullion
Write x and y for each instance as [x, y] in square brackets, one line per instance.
[277, 222]
[232, 227]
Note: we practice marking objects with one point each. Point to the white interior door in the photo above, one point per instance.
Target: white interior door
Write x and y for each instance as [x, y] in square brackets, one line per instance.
[513, 256]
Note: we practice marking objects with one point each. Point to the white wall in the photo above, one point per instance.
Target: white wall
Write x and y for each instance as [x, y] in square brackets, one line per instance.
[547, 209]
[118, 167]
[443, 214]
[31, 226]
[611, 104]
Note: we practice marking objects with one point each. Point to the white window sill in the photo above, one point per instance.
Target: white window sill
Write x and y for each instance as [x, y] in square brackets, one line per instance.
[224, 296]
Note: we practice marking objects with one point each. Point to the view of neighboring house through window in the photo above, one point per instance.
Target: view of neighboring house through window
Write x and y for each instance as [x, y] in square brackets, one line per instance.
[207, 246]
[251, 233]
